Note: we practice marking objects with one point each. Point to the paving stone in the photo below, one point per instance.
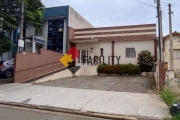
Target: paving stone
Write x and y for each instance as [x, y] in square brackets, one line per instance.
[107, 83]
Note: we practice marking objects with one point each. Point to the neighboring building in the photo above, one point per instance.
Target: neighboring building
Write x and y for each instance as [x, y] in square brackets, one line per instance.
[124, 41]
[54, 33]
[176, 49]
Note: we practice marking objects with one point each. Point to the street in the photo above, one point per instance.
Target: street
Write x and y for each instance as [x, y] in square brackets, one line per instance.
[19, 113]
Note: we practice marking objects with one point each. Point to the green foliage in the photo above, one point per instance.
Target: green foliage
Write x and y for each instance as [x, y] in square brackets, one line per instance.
[122, 69]
[11, 13]
[176, 117]
[8, 12]
[168, 96]
[34, 12]
[6, 45]
[145, 61]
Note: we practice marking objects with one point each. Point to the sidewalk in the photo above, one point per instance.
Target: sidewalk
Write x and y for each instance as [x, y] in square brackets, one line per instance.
[111, 103]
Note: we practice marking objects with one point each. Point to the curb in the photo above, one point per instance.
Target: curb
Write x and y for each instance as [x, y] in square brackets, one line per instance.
[79, 112]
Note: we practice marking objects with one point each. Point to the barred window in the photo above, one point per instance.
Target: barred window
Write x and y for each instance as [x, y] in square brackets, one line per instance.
[130, 53]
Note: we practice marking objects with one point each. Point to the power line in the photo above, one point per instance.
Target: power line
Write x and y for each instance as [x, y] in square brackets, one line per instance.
[156, 0]
[143, 3]
[176, 21]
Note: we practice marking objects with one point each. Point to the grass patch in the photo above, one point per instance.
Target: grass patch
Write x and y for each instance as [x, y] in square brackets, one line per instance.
[176, 117]
[170, 96]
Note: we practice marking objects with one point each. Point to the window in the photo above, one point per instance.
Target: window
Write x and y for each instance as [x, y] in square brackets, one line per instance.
[130, 53]
[176, 53]
[55, 35]
[39, 31]
[101, 52]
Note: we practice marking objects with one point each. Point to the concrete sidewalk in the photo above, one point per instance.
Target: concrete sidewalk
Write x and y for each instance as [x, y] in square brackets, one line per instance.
[112, 103]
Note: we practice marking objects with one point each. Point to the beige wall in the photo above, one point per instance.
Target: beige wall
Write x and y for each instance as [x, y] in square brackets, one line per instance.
[76, 21]
[176, 45]
[107, 46]
[119, 49]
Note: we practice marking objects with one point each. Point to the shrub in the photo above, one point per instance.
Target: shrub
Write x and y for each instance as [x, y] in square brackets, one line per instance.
[122, 69]
[145, 61]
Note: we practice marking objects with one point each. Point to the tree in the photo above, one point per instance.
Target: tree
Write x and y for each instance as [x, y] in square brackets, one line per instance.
[11, 10]
[6, 45]
[34, 12]
[11, 13]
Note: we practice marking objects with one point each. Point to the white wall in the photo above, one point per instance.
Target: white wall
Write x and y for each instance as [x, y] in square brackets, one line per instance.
[107, 46]
[76, 21]
[176, 45]
[120, 49]
[30, 31]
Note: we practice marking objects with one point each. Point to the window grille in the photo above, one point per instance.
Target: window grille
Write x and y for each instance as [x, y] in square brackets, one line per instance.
[130, 53]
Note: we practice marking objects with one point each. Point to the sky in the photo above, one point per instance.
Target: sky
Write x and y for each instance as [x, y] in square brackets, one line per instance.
[105, 13]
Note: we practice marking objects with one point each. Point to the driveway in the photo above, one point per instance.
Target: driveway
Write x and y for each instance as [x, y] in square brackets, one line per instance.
[5, 81]
[107, 83]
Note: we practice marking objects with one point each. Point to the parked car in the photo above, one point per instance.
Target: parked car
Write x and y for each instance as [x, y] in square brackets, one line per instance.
[6, 68]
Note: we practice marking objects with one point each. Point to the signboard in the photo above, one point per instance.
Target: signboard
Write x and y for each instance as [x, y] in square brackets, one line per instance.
[21, 43]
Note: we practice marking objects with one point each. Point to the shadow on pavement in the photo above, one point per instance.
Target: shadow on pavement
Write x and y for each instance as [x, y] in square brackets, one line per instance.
[5, 81]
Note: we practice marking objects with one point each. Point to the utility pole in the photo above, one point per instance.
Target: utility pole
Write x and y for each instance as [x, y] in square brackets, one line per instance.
[21, 24]
[161, 51]
[171, 41]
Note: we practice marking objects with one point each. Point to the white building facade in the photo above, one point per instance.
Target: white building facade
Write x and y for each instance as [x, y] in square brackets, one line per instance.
[114, 43]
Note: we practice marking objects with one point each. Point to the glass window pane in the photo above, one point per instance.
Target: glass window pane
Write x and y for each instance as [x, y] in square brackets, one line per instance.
[55, 34]
[49, 47]
[54, 47]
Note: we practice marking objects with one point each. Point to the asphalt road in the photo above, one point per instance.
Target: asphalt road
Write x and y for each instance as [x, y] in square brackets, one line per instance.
[19, 113]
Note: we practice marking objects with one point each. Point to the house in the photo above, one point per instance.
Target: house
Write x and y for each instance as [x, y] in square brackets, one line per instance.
[120, 44]
[176, 49]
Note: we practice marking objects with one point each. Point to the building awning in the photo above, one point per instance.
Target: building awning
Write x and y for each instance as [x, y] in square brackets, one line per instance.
[86, 40]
